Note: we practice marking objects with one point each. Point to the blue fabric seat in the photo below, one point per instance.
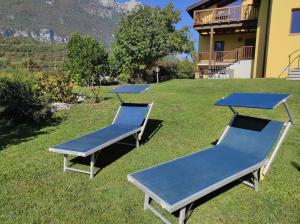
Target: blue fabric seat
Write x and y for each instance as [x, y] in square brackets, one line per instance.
[131, 119]
[127, 122]
[246, 144]
[245, 147]
[92, 140]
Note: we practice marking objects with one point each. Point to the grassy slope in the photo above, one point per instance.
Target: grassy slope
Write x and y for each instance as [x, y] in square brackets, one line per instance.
[34, 189]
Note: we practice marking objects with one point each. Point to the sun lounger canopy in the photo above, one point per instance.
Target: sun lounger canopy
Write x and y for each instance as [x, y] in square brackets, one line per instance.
[131, 89]
[253, 100]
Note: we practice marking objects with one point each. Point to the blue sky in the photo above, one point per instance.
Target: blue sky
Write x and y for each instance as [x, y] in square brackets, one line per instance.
[180, 5]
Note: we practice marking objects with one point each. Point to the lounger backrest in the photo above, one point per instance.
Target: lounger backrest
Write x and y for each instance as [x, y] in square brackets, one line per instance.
[131, 114]
[252, 135]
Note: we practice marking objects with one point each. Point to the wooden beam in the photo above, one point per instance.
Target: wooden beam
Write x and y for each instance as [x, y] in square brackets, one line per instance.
[219, 26]
[211, 42]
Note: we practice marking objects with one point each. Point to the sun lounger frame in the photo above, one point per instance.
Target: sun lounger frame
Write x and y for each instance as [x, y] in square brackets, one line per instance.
[93, 153]
[184, 206]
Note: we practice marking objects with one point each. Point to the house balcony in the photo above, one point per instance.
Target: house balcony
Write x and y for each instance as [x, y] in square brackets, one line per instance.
[225, 58]
[225, 15]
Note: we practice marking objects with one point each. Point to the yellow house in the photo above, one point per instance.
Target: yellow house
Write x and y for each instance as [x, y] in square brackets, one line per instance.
[247, 38]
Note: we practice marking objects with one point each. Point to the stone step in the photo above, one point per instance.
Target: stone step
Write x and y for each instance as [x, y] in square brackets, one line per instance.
[294, 75]
[294, 72]
[293, 78]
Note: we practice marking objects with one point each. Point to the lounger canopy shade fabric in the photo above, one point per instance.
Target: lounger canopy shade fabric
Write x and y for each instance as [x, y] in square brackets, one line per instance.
[253, 100]
[131, 89]
[246, 145]
[130, 119]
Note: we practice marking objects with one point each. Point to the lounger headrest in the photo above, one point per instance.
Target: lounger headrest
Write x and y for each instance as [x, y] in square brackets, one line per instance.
[252, 135]
[132, 114]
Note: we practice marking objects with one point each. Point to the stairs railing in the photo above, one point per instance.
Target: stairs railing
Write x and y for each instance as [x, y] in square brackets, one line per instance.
[293, 57]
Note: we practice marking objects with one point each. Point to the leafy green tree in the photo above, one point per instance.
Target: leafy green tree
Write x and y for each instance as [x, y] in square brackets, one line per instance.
[87, 61]
[145, 36]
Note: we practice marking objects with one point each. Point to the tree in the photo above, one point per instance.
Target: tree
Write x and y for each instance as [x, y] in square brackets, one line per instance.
[87, 61]
[145, 36]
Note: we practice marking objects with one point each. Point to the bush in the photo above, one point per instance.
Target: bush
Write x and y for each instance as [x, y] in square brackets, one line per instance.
[2, 64]
[185, 69]
[20, 101]
[172, 69]
[31, 65]
[58, 86]
[168, 70]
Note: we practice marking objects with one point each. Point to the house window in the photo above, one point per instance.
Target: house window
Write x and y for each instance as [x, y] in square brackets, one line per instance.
[219, 46]
[295, 23]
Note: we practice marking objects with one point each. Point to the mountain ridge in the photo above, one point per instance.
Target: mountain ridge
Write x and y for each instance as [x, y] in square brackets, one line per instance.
[55, 20]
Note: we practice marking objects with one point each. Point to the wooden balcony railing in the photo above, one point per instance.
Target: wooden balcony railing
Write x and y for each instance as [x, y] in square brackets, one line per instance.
[226, 57]
[225, 14]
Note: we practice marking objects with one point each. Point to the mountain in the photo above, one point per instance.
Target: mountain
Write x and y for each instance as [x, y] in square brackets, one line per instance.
[55, 20]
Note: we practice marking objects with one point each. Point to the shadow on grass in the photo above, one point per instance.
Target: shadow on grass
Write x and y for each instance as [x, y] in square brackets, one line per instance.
[296, 165]
[212, 195]
[215, 142]
[16, 133]
[113, 152]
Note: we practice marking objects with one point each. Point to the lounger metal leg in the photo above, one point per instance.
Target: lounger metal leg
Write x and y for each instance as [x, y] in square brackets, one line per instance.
[182, 216]
[146, 201]
[147, 206]
[189, 211]
[137, 140]
[255, 180]
[92, 165]
[65, 162]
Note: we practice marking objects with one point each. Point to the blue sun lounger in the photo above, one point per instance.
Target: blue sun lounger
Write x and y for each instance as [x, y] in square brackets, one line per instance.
[242, 150]
[131, 119]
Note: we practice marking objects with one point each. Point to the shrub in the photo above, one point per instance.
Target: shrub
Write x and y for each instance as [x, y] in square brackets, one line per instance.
[168, 69]
[20, 101]
[185, 69]
[31, 65]
[58, 86]
[2, 64]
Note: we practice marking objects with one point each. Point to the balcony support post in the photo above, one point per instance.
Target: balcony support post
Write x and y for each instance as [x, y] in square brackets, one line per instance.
[211, 42]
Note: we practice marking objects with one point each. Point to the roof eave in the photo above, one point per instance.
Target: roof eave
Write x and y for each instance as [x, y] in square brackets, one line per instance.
[203, 3]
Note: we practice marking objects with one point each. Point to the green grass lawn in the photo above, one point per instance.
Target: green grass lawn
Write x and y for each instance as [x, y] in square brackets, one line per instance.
[33, 188]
